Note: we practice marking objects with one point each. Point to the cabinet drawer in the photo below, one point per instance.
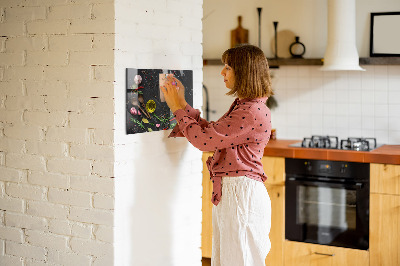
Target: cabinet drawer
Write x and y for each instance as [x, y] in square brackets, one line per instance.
[304, 254]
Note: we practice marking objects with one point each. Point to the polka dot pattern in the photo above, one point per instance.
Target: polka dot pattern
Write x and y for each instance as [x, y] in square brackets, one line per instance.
[238, 139]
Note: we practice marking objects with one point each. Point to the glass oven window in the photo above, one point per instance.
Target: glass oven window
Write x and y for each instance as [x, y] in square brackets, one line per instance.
[326, 207]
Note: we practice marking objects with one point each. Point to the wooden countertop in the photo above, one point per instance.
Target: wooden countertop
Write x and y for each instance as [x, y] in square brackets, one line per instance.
[389, 154]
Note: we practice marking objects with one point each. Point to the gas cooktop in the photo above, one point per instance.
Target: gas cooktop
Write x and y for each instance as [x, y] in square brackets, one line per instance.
[332, 142]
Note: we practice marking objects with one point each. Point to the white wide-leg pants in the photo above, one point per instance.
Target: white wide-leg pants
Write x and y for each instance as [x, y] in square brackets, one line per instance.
[241, 223]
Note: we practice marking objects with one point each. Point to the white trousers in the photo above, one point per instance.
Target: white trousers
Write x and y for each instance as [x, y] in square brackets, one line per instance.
[241, 223]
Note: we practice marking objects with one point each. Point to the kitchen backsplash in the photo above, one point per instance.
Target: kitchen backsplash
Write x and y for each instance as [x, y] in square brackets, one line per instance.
[314, 102]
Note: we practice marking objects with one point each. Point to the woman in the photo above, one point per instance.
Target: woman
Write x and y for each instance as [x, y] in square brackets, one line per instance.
[242, 208]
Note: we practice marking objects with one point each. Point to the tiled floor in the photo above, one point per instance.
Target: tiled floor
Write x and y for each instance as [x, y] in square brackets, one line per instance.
[206, 261]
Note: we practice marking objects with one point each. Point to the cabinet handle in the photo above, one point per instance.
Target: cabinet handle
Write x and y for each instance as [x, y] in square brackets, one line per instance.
[324, 254]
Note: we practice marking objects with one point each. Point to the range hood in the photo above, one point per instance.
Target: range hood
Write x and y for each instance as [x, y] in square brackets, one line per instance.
[341, 51]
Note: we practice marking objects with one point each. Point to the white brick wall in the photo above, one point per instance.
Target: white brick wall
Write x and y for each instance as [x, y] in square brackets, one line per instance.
[153, 174]
[56, 132]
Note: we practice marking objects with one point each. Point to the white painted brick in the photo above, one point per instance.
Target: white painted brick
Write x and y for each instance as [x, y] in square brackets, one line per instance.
[11, 260]
[46, 88]
[103, 202]
[92, 151]
[56, 149]
[25, 191]
[190, 48]
[2, 158]
[2, 222]
[21, 43]
[46, 2]
[56, 103]
[70, 12]
[46, 118]
[3, 44]
[32, 262]
[48, 179]
[11, 117]
[69, 166]
[91, 89]
[60, 227]
[95, 216]
[24, 73]
[46, 27]
[82, 230]
[11, 59]
[12, 204]
[11, 88]
[47, 240]
[25, 161]
[11, 233]
[81, 73]
[69, 197]
[25, 250]
[93, 184]
[99, 120]
[97, 57]
[104, 73]
[103, 41]
[71, 42]
[24, 132]
[95, 105]
[101, 136]
[105, 233]
[74, 135]
[25, 103]
[12, 29]
[24, 13]
[91, 26]
[91, 247]
[103, 11]
[10, 174]
[12, 145]
[46, 209]
[105, 260]
[47, 58]
[68, 258]
[103, 168]
[25, 221]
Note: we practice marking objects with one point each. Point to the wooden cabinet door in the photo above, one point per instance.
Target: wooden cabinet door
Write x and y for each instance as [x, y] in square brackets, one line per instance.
[206, 226]
[304, 254]
[277, 233]
[384, 236]
[385, 178]
[274, 168]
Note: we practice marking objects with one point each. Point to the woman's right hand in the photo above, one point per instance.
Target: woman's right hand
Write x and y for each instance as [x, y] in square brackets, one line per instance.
[181, 90]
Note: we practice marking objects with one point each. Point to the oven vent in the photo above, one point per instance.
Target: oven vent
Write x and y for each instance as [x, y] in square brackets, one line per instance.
[341, 51]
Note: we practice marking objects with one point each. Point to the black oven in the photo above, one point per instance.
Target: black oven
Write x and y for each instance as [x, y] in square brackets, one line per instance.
[327, 202]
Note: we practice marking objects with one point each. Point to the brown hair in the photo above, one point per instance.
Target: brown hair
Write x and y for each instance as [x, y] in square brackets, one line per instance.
[250, 66]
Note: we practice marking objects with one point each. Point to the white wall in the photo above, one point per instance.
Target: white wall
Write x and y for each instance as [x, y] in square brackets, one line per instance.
[158, 180]
[305, 18]
[56, 132]
[344, 103]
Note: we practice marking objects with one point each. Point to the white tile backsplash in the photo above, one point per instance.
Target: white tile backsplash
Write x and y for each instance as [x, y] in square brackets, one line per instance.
[343, 103]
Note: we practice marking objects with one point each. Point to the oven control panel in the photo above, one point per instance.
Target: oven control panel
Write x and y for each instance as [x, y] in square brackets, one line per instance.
[338, 169]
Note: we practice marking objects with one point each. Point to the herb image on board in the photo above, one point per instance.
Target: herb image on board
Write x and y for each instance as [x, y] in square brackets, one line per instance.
[146, 109]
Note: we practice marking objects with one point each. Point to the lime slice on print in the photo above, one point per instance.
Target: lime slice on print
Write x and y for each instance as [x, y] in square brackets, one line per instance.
[150, 106]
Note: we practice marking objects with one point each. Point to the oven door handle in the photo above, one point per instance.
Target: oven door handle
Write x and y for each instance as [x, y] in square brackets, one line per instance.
[357, 185]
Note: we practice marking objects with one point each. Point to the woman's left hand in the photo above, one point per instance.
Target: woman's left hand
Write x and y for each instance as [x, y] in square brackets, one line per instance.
[170, 90]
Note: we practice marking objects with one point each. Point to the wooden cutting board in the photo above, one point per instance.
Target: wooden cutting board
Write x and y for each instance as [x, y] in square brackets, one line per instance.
[239, 35]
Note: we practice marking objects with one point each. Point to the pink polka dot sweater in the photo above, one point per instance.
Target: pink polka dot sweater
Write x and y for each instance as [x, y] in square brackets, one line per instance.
[238, 139]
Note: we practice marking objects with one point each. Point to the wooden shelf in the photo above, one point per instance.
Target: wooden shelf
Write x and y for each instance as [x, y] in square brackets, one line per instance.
[274, 63]
[380, 61]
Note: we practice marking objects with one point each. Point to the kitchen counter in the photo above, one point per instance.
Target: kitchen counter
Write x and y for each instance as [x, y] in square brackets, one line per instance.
[388, 154]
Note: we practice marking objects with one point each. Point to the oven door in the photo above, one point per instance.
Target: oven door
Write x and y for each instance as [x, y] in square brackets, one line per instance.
[327, 213]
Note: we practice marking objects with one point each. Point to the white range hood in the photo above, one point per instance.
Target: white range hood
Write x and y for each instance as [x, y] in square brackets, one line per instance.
[341, 51]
